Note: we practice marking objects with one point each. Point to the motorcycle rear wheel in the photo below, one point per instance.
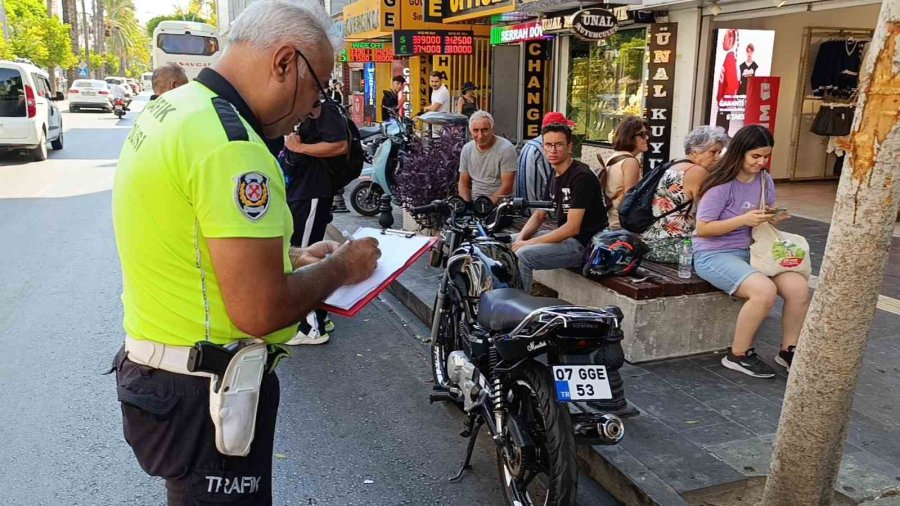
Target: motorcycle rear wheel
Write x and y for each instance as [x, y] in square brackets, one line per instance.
[544, 473]
[365, 198]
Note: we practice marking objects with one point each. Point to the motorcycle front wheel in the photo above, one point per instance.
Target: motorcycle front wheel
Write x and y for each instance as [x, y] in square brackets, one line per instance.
[544, 472]
[366, 198]
[445, 343]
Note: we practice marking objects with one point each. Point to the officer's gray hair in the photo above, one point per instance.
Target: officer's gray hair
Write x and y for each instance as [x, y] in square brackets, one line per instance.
[703, 138]
[266, 23]
[480, 115]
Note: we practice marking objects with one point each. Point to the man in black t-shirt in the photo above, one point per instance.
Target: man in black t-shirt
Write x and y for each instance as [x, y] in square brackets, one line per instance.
[390, 102]
[311, 190]
[580, 212]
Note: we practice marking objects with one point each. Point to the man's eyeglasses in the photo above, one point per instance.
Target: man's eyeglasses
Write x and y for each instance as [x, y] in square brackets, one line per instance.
[555, 147]
[323, 94]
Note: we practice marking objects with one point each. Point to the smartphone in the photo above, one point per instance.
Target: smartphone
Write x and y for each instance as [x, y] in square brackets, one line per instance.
[777, 211]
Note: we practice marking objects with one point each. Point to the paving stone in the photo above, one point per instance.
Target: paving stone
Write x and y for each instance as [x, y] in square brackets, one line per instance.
[638, 474]
[717, 434]
[629, 370]
[750, 411]
[771, 389]
[682, 464]
[749, 457]
[695, 381]
[864, 476]
[878, 396]
[664, 401]
[885, 326]
[875, 437]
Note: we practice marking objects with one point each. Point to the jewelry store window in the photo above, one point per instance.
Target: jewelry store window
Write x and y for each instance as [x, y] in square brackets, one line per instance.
[605, 83]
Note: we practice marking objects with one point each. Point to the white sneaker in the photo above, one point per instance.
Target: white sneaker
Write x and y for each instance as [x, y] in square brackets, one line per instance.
[312, 338]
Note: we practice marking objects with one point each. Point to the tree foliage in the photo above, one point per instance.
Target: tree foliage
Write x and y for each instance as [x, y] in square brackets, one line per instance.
[184, 16]
[37, 36]
[126, 41]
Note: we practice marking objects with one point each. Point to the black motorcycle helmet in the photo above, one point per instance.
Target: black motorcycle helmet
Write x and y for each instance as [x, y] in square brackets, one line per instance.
[614, 253]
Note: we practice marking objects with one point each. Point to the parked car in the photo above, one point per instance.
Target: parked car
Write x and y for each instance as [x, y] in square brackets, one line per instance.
[29, 117]
[89, 94]
[147, 81]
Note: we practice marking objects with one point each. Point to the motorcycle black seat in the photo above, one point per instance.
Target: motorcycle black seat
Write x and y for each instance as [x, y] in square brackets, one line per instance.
[504, 308]
[369, 131]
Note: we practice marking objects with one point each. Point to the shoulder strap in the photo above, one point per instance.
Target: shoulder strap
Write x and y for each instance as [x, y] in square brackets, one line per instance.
[231, 120]
[762, 193]
[616, 159]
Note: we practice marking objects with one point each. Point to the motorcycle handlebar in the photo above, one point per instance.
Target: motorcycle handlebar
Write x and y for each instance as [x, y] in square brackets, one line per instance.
[428, 208]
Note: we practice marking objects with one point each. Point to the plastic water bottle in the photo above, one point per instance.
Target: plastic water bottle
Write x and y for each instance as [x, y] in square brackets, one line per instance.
[685, 259]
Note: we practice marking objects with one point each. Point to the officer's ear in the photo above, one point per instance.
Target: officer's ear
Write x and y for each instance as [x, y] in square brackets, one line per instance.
[282, 61]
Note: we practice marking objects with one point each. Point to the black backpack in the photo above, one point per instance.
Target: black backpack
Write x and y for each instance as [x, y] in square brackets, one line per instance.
[345, 168]
[636, 211]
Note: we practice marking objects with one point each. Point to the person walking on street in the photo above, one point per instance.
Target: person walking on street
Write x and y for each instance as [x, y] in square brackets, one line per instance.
[335, 93]
[309, 196]
[202, 229]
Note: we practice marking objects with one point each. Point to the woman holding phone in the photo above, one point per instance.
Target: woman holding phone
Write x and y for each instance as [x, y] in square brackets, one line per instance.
[727, 213]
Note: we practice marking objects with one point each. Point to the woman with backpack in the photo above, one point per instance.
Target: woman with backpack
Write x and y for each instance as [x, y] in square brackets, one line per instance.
[622, 169]
[677, 189]
[728, 211]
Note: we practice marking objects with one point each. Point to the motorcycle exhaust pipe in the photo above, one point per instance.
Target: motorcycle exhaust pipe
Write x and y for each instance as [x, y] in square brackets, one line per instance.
[611, 429]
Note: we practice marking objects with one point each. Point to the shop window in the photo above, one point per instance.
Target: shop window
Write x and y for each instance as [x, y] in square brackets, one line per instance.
[606, 83]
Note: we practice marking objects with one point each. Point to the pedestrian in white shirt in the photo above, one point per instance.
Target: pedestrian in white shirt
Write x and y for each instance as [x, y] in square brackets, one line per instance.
[440, 99]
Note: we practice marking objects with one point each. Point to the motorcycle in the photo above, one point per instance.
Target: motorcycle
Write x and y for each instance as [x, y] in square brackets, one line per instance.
[376, 180]
[524, 366]
[119, 107]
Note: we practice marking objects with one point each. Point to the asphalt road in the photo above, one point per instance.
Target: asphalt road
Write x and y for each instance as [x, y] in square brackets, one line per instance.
[355, 426]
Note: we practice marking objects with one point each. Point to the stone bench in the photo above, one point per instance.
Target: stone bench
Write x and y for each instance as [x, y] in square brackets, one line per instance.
[665, 316]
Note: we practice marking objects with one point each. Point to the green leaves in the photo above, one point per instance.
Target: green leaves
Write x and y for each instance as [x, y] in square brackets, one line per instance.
[37, 36]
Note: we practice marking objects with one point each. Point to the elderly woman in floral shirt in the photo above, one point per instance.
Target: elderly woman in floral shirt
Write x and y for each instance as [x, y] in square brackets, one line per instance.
[681, 182]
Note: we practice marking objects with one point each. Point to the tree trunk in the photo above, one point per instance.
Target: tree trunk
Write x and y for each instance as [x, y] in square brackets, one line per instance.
[816, 410]
[99, 28]
[51, 71]
[70, 17]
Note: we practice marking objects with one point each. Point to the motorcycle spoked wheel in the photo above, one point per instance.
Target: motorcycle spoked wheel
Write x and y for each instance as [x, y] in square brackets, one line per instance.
[447, 341]
[366, 198]
[544, 473]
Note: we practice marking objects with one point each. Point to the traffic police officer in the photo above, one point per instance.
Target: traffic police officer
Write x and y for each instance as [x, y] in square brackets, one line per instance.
[203, 228]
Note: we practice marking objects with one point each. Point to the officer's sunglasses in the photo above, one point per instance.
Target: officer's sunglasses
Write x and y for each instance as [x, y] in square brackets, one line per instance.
[323, 94]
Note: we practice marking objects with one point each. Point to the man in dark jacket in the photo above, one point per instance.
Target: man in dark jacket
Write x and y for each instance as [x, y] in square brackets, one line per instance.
[390, 103]
[311, 191]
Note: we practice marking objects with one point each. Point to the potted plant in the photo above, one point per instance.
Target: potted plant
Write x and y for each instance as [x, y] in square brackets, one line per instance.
[428, 172]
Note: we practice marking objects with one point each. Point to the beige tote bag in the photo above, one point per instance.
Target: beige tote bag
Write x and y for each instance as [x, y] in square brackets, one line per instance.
[774, 251]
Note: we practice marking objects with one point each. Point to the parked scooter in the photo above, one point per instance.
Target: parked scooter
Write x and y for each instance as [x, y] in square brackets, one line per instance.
[376, 180]
[119, 107]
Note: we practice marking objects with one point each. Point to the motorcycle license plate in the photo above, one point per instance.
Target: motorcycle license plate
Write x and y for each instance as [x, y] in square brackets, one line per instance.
[581, 383]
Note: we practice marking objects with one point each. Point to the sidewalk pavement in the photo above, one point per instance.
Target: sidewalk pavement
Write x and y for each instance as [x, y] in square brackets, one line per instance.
[705, 433]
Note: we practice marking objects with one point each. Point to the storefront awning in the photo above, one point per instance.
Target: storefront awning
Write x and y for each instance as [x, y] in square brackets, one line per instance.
[539, 6]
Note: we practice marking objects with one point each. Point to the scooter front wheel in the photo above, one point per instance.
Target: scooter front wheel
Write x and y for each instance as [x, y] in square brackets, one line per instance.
[366, 198]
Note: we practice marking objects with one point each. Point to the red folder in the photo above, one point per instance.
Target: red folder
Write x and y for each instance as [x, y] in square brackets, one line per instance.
[374, 293]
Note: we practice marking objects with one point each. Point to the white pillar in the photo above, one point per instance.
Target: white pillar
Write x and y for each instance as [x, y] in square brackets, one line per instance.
[688, 76]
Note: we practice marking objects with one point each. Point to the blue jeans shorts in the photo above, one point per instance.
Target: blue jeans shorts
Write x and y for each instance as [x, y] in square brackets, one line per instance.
[725, 269]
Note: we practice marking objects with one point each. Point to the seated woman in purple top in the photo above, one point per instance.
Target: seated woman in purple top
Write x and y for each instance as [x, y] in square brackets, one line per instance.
[726, 215]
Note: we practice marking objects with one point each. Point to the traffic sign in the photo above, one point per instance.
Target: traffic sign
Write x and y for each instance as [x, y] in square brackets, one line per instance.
[83, 72]
[82, 65]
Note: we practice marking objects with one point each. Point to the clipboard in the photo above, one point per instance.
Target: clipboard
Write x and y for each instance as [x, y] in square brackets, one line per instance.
[396, 257]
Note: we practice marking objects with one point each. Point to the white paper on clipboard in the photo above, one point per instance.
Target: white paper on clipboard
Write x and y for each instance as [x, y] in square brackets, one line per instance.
[396, 251]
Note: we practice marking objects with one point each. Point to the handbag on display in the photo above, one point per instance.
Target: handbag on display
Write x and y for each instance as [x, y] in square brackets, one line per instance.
[773, 251]
[833, 120]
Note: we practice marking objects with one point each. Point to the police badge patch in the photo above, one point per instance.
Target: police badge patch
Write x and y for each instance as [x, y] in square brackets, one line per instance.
[251, 194]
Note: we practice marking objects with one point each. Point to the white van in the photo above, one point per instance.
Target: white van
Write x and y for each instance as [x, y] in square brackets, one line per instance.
[147, 81]
[29, 118]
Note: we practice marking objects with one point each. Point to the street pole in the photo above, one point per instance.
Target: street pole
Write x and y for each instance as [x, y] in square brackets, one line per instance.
[87, 42]
[815, 416]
